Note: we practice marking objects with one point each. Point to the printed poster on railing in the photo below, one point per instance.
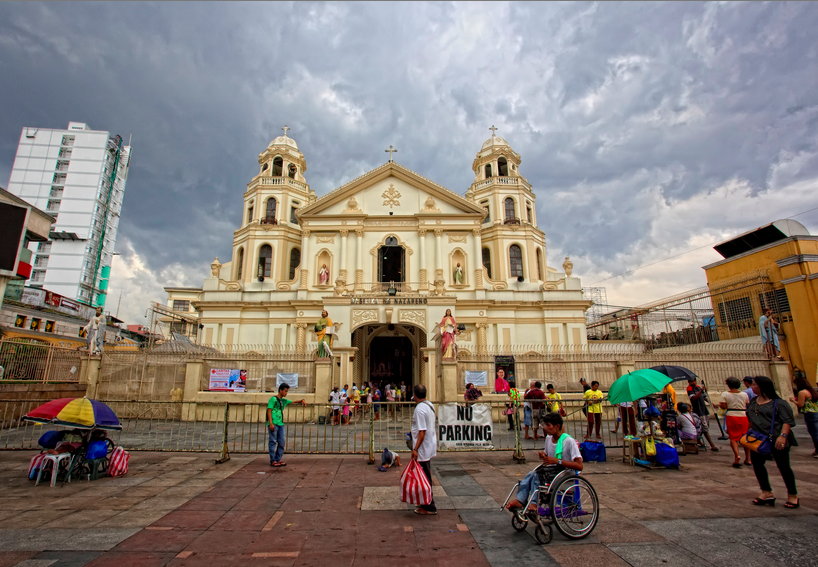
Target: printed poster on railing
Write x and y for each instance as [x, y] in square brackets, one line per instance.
[464, 426]
[227, 380]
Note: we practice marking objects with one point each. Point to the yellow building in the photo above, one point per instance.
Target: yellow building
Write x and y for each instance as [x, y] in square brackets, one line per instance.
[783, 256]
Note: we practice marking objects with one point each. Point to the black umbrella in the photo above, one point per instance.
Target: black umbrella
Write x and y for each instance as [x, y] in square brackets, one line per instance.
[678, 373]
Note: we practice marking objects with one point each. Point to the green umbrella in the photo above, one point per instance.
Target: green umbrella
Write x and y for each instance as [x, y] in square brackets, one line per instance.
[636, 385]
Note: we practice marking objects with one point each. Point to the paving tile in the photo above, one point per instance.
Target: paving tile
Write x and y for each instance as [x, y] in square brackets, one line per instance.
[209, 504]
[277, 541]
[206, 560]
[585, 556]
[68, 558]
[170, 541]
[190, 519]
[218, 541]
[242, 520]
[132, 559]
[319, 559]
[12, 558]
[653, 554]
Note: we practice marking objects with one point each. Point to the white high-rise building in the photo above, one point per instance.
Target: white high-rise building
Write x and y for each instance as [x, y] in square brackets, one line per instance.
[78, 176]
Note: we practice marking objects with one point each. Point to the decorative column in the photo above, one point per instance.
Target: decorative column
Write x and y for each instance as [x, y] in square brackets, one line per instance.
[440, 283]
[301, 338]
[424, 282]
[359, 259]
[342, 271]
[305, 242]
[481, 337]
[478, 258]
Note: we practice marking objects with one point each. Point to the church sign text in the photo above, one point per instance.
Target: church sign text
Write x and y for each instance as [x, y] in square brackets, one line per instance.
[387, 301]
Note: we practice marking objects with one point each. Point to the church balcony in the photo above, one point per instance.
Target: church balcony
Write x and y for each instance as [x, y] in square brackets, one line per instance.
[268, 220]
[382, 288]
[511, 220]
[284, 181]
[500, 180]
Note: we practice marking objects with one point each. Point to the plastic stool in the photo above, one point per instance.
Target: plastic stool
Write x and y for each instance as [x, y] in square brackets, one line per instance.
[97, 467]
[55, 467]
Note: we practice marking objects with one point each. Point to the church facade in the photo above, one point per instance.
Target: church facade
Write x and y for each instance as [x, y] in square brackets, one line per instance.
[386, 255]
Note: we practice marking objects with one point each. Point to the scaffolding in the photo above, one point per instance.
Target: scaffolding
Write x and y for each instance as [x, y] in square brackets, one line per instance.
[600, 306]
[727, 310]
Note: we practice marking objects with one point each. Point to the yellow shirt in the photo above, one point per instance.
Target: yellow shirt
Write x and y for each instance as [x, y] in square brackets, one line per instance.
[555, 406]
[594, 395]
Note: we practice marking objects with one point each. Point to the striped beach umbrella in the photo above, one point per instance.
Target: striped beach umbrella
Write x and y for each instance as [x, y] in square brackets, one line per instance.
[75, 412]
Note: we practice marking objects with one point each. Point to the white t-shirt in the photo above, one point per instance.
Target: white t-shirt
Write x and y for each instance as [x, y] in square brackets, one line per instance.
[423, 419]
[570, 448]
[335, 398]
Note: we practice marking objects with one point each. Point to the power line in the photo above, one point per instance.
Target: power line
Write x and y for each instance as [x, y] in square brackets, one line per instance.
[683, 253]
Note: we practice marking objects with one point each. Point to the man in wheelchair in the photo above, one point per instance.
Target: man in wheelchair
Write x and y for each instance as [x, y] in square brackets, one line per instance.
[561, 452]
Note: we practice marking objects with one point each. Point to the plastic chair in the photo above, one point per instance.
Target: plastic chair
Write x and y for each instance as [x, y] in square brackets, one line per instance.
[55, 461]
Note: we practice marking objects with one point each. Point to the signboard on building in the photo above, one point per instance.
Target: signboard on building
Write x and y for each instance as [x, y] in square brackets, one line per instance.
[227, 380]
[464, 426]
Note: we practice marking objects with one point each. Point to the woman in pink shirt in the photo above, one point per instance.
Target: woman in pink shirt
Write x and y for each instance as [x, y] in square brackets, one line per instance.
[500, 384]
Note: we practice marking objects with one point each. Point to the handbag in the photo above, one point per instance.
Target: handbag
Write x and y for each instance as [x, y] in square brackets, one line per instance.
[563, 413]
[414, 486]
[508, 411]
[759, 442]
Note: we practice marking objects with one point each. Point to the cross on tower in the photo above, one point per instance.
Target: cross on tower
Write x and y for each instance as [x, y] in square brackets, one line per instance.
[285, 130]
[493, 130]
[391, 151]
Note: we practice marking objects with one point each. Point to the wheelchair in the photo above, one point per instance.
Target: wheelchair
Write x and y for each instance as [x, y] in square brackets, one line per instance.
[564, 499]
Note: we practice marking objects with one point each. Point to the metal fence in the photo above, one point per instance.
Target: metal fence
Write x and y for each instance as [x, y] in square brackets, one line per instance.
[312, 429]
[25, 359]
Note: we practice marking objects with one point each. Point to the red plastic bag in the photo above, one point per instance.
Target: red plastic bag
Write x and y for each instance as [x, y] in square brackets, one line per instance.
[118, 464]
[414, 486]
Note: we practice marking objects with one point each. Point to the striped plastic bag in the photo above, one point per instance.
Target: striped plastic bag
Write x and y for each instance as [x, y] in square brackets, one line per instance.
[118, 464]
[414, 486]
[34, 466]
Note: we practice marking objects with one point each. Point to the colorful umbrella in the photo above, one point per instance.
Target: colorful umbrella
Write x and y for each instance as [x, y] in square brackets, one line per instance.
[636, 385]
[75, 412]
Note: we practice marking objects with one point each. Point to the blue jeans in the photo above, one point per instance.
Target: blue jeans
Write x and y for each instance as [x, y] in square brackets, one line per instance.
[529, 484]
[276, 442]
[811, 420]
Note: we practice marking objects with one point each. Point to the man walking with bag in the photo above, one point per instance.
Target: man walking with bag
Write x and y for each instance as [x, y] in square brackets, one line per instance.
[424, 441]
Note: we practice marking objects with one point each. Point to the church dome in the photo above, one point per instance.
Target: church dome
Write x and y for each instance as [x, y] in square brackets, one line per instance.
[494, 141]
[284, 141]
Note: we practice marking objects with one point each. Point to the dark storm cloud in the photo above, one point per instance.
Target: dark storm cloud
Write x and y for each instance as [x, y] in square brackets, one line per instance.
[620, 111]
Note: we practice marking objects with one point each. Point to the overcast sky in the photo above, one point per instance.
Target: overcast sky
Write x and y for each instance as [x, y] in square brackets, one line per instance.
[647, 130]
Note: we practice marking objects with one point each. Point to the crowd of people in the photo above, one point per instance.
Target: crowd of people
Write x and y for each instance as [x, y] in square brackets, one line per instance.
[346, 403]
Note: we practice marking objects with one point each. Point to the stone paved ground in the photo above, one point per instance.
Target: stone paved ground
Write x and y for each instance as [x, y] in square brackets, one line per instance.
[180, 509]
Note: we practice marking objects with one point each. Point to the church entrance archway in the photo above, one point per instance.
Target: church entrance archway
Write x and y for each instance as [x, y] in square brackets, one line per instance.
[390, 354]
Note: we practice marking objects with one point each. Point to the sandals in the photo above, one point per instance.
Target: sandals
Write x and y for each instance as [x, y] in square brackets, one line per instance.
[423, 512]
[764, 502]
[736, 465]
[278, 464]
[791, 506]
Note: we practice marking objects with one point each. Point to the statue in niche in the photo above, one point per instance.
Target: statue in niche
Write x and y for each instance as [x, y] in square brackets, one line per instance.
[324, 331]
[458, 275]
[323, 275]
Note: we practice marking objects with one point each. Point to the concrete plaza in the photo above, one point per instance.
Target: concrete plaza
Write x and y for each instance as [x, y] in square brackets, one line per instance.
[182, 509]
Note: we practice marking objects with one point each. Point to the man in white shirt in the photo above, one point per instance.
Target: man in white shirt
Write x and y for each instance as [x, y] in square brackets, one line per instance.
[335, 400]
[560, 449]
[424, 440]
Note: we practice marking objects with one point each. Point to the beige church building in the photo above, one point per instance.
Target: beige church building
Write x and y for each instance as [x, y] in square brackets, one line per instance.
[386, 255]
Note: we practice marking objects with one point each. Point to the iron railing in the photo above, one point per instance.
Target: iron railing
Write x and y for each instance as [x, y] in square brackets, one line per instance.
[24, 359]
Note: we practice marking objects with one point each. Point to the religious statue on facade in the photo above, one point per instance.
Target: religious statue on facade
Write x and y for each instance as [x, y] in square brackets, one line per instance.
[458, 275]
[323, 275]
[448, 330]
[324, 331]
[95, 332]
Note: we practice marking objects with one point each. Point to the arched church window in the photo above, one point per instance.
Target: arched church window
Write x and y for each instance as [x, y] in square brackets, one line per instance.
[539, 264]
[529, 212]
[240, 263]
[249, 214]
[502, 167]
[293, 209]
[265, 167]
[292, 170]
[487, 261]
[488, 170]
[509, 206]
[485, 205]
[278, 166]
[265, 260]
[391, 241]
[270, 213]
[295, 261]
[515, 261]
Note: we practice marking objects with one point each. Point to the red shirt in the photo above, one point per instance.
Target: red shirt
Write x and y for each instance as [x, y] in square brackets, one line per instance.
[536, 394]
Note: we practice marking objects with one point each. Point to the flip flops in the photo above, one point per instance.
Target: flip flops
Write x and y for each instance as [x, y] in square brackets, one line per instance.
[764, 502]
